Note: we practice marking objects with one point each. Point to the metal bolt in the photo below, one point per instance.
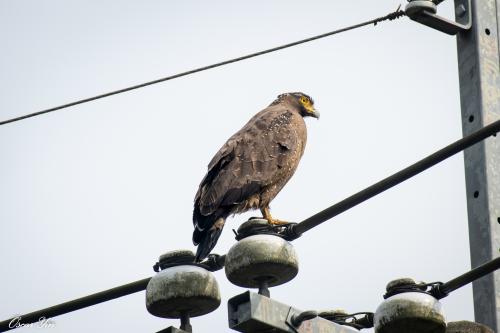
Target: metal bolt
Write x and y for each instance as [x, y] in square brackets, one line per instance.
[460, 10]
[185, 324]
[264, 288]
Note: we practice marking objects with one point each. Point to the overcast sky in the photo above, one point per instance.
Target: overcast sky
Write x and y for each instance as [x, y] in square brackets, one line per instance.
[92, 195]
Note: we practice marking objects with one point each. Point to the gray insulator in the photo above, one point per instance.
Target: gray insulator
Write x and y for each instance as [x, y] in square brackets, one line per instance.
[410, 312]
[467, 327]
[182, 290]
[415, 7]
[261, 258]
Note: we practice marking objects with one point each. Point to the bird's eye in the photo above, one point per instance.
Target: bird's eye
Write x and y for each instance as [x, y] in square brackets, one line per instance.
[303, 100]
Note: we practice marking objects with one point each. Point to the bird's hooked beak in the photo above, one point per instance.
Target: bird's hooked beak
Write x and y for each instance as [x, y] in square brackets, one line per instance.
[313, 112]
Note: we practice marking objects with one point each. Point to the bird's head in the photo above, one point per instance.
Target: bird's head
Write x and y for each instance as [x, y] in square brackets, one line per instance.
[303, 102]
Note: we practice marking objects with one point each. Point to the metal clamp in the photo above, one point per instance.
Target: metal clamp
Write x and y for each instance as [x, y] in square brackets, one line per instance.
[296, 319]
[424, 11]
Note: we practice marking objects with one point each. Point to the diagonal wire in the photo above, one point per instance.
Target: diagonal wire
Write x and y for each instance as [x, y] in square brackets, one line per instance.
[391, 16]
[73, 305]
[395, 179]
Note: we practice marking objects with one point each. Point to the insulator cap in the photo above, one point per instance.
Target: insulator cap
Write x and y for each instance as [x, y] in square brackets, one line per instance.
[467, 327]
[185, 289]
[399, 283]
[261, 258]
[415, 7]
[414, 312]
[184, 256]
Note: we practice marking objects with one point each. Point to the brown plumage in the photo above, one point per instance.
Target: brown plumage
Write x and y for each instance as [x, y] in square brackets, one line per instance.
[251, 167]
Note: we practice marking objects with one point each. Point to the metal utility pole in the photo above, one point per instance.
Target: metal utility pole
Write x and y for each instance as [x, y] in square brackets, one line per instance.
[478, 62]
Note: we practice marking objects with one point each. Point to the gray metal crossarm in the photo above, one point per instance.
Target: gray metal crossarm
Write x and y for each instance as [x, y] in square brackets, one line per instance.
[250, 312]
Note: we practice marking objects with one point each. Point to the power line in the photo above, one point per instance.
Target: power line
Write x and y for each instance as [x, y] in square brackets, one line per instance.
[395, 179]
[342, 206]
[441, 291]
[76, 304]
[391, 16]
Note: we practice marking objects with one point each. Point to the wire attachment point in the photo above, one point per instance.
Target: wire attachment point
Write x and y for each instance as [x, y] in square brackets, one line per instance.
[358, 320]
[424, 11]
[392, 16]
[298, 318]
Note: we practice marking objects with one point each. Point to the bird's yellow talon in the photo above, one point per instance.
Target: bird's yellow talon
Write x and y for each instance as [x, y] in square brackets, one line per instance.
[277, 222]
[267, 216]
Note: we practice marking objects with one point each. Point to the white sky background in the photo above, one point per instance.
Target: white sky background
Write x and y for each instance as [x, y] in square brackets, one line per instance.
[92, 195]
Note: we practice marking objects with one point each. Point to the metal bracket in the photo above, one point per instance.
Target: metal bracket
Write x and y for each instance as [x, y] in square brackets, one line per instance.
[251, 312]
[424, 11]
[171, 329]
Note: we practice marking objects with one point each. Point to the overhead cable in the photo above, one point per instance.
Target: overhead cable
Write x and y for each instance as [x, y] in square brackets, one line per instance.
[75, 304]
[395, 179]
[442, 290]
[391, 16]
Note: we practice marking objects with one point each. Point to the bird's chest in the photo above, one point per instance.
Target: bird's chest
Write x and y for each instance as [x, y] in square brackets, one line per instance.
[287, 147]
[290, 141]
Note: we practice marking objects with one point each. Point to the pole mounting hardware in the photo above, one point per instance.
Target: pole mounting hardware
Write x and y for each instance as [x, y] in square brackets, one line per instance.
[424, 11]
[296, 319]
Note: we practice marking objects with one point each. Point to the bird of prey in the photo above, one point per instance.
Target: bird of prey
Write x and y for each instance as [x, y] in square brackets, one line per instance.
[251, 167]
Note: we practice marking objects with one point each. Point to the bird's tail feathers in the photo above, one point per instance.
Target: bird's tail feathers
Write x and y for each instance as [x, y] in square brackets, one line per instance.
[209, 239]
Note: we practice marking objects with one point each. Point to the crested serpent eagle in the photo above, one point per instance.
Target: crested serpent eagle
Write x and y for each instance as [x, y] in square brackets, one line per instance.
[251, 167]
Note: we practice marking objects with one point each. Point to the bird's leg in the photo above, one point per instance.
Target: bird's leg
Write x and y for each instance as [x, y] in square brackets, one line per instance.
[267, 216]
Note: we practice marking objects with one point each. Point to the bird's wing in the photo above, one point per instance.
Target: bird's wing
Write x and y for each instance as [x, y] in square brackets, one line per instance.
[249, 161]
